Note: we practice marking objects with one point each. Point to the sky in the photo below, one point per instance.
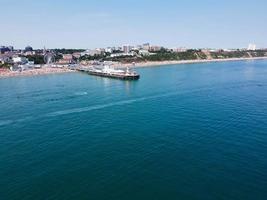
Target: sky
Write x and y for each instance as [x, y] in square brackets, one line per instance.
[104, 23]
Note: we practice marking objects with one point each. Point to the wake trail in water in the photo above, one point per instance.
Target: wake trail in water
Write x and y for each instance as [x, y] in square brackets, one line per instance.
[119, 103]
[86, 109]
[102, 106]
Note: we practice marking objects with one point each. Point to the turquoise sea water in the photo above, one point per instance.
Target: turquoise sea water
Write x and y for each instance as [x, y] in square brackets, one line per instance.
[181, 132]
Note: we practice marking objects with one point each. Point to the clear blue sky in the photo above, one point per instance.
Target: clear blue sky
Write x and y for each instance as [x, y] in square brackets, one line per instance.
[102, 23]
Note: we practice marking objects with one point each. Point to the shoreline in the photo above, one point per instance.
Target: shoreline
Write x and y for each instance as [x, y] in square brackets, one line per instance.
[6, 73]
[177, 62]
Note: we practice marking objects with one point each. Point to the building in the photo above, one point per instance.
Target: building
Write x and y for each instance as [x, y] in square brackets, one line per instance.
[146, 46]
[28, 48]
[29, 53]
[114, 55]
[251, 47]
[4, 49]
[20, 60]
[4, 59]
[21, 64]
[155, 48]
[27, 66]
[109, 49]
[76, 55]
[229, 50]
[127, 49]
[67, 56]
[180, 49]
[90, 52]
[66, 59]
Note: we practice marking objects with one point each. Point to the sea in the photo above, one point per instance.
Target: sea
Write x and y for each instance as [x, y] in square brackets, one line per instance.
[189, 131]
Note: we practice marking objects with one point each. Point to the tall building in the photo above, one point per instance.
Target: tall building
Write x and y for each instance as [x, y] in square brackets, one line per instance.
[251, 47]
[146, 46]
[127, 49]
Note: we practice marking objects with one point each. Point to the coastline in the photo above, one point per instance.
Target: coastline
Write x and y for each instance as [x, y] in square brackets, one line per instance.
[160, 63]
[5, 73]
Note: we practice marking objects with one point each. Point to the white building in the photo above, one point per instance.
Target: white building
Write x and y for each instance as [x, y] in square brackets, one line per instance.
[29, 53]
[122, 54]
[91, 52]
[229, 50]
[180, 49]
[251, 47]
[27, 66]
[109, 50]
[20, 60]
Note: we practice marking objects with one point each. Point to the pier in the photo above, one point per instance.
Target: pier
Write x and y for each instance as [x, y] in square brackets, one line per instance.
[111, 73]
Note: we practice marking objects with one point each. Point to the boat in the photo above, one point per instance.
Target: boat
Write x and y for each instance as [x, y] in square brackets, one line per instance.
[111, 72]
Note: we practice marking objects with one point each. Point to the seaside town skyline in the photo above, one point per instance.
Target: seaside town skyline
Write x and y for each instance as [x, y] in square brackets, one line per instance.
[130, 51]
[248, 46]
[30, 61]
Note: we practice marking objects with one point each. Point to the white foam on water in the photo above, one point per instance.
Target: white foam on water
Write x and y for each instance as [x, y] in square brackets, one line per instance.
[80, 93]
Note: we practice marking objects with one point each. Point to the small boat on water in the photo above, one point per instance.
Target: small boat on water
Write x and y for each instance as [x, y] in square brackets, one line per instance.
[111, 72]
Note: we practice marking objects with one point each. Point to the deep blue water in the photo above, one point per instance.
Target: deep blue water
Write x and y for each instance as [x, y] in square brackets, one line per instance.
[181, 132]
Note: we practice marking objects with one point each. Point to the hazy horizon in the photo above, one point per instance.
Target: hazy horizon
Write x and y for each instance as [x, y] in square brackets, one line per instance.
[84, 24]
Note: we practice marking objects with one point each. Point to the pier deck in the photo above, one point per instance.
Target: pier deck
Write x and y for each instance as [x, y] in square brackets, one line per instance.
[123, 76]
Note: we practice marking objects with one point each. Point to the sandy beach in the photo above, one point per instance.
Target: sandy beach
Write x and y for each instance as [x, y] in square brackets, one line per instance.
[34, 72]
